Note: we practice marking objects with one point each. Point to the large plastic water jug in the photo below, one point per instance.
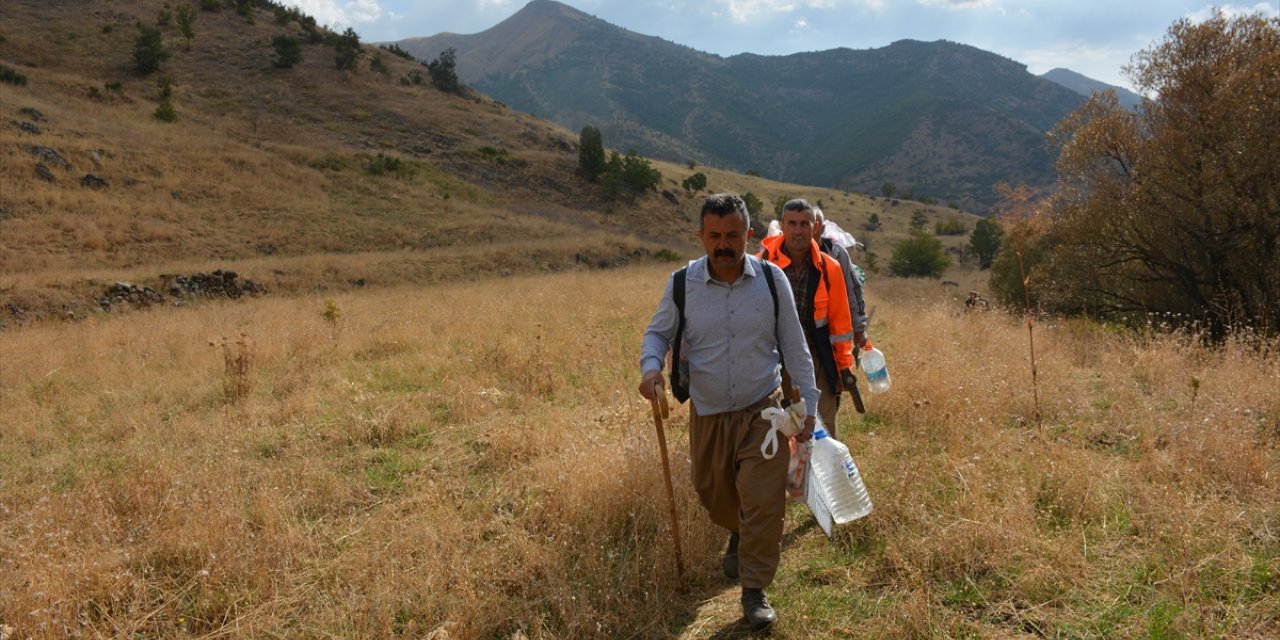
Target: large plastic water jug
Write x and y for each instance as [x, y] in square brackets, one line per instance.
[837, 479]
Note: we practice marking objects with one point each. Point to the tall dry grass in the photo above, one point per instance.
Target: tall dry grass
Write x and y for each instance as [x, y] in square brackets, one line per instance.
[471, 460]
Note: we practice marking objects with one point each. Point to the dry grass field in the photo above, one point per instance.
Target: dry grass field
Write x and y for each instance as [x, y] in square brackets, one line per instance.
[429, 427]
[470, 460]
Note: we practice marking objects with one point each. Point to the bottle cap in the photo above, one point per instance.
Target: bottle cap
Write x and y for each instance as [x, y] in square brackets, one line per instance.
[819, 433]
[867, 346]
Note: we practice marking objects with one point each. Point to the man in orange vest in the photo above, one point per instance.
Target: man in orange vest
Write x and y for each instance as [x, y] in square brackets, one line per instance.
[821, 300]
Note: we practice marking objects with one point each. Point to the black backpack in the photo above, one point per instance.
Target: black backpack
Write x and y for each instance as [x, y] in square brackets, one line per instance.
[680, 368]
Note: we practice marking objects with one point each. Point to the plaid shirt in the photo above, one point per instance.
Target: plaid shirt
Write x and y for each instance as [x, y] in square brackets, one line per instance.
[798, 275]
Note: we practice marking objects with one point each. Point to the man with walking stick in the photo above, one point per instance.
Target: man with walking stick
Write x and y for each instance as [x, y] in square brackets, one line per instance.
[737, 323]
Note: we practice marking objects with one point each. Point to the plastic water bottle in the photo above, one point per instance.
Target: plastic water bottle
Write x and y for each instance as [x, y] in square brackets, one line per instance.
[873, 365]
[837, 478]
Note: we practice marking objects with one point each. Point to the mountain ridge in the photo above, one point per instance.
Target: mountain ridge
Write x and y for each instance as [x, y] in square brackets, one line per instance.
[1085, 85]
[842, 118]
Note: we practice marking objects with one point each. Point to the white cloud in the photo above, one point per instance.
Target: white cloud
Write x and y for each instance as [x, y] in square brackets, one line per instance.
[342, 12]
[957, 4]
[1100, 62]
[743, 11]
[1267, 9]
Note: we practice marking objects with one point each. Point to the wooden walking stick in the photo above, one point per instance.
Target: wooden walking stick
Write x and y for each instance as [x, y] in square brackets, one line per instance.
[662, 410]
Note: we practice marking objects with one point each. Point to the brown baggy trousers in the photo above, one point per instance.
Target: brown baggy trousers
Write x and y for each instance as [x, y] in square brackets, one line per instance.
[740, 489]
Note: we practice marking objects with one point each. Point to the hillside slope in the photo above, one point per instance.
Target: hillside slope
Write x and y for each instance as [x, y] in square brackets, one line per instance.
[308, 177]
[301, 179]
[943, 119]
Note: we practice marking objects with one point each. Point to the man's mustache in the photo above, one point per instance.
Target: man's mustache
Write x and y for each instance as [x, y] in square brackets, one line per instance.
[723, 253]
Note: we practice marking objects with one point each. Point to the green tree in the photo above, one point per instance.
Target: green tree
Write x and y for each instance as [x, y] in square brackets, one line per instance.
[695, 183]
[629, 176]
[919, 256]
[754, 206]
[443, 70]
[346, 50]
[638, 174]
[873, 222]
[186, 23]
[148, 51]
[919, 220]
[591, 156]
[888, 189]
[288, 51]
[984, 242]
[1173, 208]
[778, 203]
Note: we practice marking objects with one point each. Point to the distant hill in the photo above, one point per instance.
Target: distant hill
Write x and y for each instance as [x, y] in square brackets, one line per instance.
[1085, 85]
[306, 179]
[945, 120]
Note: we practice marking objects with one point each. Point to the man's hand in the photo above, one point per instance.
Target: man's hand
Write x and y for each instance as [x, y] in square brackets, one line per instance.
[847, 379]
[651, 385]
[810, 423]
[859, 339]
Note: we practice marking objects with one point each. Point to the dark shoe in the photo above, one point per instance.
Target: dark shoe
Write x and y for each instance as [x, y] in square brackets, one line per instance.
[756, 609]
[730, 564]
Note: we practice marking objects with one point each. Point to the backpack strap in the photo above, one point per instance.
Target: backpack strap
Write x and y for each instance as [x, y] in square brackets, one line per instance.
[677, 295]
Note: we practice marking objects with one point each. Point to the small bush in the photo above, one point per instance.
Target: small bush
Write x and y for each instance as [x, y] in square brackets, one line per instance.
[149, 52]
[288, 52]
[920, 256]
[165, 112]
[346, 49]
[331, 162]
[377, 65]
[695, 183]
[383, 163]
[950, 227]
[10, 76]
[211, 5]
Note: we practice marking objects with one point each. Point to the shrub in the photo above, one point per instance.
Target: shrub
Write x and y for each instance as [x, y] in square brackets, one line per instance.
[443, 72]
[376, 64]
[211, 5]
[754, 205]
[346, 49]
[10, 76]
[919, 220]
[383, 163]
[920, 256]
[950, 227]
[186, 23]
[165, 112]
[165, 86]
[288, 52]
[695, 183]
[148, 50]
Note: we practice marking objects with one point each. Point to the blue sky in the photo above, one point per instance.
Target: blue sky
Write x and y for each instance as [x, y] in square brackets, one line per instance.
[1093, 37]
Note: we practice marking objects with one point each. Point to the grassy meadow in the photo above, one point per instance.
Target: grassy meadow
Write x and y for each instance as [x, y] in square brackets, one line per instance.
[471, 460]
